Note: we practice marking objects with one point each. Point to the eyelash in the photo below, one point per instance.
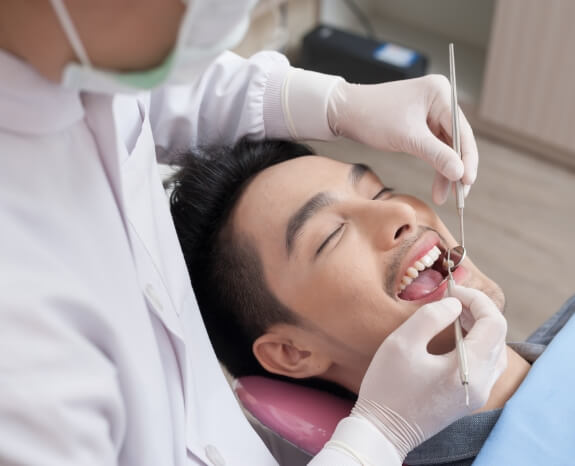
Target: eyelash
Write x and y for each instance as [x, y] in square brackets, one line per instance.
[383, 191]
[337, 230]
[328, 239]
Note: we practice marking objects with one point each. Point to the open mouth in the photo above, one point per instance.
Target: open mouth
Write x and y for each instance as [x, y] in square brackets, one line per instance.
[424, 276]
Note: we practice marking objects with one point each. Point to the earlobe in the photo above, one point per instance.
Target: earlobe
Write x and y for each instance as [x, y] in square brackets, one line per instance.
[283, 356]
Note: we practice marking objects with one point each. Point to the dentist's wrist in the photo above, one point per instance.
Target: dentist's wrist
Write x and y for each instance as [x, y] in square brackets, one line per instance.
[304, 100]
[358, 438]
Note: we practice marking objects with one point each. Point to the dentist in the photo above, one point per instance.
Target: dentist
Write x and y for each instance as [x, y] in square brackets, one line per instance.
[104, 359]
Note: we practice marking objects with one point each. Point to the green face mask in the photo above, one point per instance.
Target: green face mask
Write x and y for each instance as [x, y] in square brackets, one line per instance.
[147, 79]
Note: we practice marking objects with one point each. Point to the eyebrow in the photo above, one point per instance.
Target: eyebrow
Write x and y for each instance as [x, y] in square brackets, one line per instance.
[317, 203]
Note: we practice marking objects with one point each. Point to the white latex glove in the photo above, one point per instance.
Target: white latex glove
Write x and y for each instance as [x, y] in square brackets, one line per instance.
[409, 394]
[412, 116]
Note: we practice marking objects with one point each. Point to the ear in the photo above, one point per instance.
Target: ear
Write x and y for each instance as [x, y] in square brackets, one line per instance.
[289, 354]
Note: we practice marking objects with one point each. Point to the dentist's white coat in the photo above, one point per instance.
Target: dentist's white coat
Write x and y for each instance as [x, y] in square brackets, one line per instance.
[104, 358]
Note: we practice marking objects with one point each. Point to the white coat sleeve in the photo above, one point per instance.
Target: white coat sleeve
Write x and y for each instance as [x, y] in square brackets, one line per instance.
[260, 97]
[356, 442]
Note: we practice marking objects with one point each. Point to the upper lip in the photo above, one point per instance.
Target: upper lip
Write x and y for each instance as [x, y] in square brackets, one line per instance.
[421, 247]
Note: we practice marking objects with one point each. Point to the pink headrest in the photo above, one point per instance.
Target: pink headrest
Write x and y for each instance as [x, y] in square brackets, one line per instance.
[304, 416]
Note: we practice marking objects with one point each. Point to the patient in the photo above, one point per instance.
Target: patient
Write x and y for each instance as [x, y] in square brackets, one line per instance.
[302, 265]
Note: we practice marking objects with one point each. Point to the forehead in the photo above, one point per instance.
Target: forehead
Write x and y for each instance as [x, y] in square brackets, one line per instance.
[312, 171]
[275, 193]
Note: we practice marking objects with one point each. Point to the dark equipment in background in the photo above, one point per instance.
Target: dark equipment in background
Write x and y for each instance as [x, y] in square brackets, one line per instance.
[358, 59]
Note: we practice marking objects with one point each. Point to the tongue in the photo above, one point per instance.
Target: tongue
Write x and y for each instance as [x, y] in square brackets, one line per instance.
[427, 281]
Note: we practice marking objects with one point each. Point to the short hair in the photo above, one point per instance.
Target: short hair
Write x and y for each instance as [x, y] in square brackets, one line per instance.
[224, 267]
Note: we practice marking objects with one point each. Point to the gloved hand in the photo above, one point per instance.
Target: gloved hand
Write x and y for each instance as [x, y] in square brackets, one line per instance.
[409, 394]
[412, 116]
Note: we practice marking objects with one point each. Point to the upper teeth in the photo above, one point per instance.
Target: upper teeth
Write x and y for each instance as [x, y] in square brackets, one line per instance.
[421, 264]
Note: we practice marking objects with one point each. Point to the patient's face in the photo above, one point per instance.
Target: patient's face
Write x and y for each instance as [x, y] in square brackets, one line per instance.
[339, 250]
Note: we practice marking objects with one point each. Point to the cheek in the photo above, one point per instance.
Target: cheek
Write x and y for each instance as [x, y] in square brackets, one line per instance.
[481, 282]
[353, 310]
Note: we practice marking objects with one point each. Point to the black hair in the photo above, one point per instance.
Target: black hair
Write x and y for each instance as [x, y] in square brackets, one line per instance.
[225, 269]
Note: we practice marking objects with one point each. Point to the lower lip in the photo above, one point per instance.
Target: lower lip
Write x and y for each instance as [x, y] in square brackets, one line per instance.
[459, 275]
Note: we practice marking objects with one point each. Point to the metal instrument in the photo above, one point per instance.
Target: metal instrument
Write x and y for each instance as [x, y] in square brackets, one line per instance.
[459, 191]
[454, 257]
[457, 254]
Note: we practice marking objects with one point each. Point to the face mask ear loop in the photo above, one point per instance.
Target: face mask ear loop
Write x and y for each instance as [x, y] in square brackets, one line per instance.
[70, 31]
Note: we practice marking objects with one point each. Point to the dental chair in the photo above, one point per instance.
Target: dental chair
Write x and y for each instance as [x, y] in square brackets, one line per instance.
[294, 421]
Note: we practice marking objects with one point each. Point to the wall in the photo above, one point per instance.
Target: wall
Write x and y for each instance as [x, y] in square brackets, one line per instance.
[467, 21]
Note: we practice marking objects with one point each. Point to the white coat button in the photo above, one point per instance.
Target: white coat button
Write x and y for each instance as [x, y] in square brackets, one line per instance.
[150, 293]
[214, 456]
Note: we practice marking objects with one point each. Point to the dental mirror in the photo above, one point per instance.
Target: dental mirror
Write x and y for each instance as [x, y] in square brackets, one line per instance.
[454, 258]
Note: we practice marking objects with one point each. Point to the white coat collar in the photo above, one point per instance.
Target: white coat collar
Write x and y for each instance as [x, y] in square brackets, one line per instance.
[31, 104]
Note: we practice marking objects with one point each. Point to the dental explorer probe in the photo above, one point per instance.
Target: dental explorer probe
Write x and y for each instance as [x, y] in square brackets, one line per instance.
[451, 262]
[459, 192]
[459, 202]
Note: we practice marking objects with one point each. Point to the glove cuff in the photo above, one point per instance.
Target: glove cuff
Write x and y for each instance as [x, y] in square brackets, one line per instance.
[305, 97]
[400, 433]
[358, 438]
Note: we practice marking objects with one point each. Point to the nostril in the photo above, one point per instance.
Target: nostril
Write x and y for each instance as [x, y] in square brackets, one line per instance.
[402, 229]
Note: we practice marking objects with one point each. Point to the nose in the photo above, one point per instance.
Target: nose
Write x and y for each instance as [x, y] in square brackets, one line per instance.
[387, 222]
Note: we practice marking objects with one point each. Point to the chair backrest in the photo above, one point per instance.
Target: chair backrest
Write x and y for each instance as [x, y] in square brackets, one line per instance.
[304, 416]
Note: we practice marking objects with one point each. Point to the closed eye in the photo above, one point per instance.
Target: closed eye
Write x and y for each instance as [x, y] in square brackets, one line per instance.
[328, 239]
[381, 193]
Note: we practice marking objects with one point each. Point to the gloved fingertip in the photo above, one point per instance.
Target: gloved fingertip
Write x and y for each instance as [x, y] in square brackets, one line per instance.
[466, 189]
[469, 177]
[440, 189]
[439, 199]
[454, 169]
[452, 304]
[462, 290]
